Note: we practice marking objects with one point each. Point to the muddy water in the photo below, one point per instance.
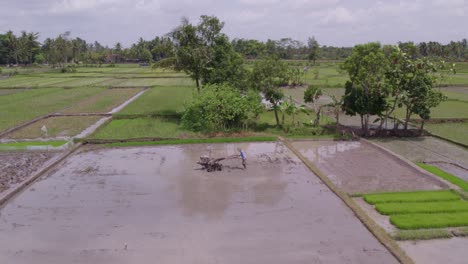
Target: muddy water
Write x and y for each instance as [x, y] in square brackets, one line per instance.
[359, 167]
[153, 204]
[445, 155]
[453, 250]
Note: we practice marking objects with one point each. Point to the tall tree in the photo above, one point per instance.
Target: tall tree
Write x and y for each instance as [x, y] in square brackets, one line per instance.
[13, 46]
[365, 91]
[267, 76]
[314, 49]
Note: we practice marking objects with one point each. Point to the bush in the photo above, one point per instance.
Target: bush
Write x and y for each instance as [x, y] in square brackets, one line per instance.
[68, 69]
[220, 108]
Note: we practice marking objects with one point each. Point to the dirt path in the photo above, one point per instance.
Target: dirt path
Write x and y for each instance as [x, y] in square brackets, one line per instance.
[359, 167]
[137, 205]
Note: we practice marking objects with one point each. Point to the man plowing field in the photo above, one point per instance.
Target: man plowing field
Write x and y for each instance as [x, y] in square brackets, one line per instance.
[213, 164]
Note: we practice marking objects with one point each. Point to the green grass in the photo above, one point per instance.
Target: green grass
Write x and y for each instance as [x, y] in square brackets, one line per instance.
[168, 100]
[25, 144]
[137, 82]
[103, 102]
[20, 107]
[328, 76]
[27, 81]
[194, 141]
[456, 132]
[424, 234]
[446, 109]
[423, 207]
[141, 128]
[58, 126]
[445, 175]
[412, 197]
[420, 221]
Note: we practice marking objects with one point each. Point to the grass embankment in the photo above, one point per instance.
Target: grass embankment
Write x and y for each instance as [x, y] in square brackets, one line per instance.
[194, 141]
[445, 175]
[26, 144]
[20, 107]
[422, 210]
[423, 234]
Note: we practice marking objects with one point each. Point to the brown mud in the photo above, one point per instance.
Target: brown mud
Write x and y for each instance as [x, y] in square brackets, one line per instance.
[359, 167]
[436, 251]
[144, 204]
[447, 156]
[17, 166]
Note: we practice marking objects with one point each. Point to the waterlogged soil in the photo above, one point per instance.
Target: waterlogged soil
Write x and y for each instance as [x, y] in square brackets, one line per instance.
[437, 251]
[15, 167]
[447, 156]
[359, 167]
[138, 205]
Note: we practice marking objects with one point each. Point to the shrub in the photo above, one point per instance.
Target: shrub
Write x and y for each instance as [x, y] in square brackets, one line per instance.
[220, 108]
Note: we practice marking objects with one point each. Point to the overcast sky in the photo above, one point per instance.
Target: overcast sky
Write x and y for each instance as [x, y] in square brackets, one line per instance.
[332, 22]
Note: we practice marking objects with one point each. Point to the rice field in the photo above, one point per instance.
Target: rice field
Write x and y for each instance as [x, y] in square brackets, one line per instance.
[24, 106]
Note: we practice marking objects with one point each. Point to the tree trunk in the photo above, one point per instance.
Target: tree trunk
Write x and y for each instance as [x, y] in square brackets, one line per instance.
[276, 116]
[317, 117]
[407, 118]
[365, 125]
[337, 116]
[198, 84]
[421, 129]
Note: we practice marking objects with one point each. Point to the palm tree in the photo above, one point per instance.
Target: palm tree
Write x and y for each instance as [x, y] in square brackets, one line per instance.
[12, 44]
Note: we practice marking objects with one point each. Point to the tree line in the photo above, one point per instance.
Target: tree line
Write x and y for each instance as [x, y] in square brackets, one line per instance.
[24, 48]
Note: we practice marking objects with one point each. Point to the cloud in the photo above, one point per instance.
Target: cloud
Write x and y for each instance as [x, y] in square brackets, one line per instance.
[338, 15]
[332, 22]
[66, 6]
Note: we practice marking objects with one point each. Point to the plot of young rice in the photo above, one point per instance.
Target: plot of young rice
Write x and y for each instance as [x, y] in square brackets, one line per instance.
[155, 82]
[160, 101]
[62, 126]
[423, 207]
[141, 128]
[416, 210]
[18, 108]
[23, 81]
[104, 101]
[79, 82]
[325, 75]
[457, 132]
[446, 109]
[409, 197]
[418, 221]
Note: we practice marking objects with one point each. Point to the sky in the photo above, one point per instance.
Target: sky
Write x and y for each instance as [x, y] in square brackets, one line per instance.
[331, 22]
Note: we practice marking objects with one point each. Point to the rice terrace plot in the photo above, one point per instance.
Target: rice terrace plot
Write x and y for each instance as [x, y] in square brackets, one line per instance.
[359, 167]
[138, 204]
